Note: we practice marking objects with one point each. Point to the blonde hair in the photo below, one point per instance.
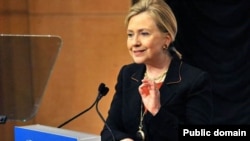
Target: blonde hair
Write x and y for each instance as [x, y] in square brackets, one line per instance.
[160, 12]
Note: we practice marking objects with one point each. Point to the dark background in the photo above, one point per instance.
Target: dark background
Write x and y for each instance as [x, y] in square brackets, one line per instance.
[214, 35]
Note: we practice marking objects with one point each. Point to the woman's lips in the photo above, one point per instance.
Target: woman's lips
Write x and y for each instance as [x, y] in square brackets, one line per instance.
[138, 52]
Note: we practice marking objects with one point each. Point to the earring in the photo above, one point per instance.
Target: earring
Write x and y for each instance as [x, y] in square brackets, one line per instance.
[165, 47]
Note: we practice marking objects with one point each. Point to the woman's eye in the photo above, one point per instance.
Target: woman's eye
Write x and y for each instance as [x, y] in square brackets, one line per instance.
[129, 35]
[145, 33]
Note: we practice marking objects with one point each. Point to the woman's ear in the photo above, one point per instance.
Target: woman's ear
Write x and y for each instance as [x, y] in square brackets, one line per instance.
[168, 39]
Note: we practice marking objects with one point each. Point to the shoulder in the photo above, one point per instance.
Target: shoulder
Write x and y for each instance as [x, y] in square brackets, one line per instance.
[192, 70]
[180, 71]
[194, 75]
[133, 70]
[131, 67]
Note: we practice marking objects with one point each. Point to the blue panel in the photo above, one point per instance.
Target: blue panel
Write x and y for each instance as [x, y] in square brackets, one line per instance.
[22, 134]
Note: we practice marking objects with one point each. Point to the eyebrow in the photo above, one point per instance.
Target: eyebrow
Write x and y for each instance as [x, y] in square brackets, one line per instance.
[142, 29]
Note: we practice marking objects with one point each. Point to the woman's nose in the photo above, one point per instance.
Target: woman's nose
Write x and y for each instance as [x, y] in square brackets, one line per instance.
[136, 41]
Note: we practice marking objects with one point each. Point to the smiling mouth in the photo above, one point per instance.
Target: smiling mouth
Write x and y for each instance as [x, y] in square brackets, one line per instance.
[138, 52]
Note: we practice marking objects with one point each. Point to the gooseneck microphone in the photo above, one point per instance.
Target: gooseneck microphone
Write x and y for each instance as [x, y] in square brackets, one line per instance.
[107, 126]
[102, 91]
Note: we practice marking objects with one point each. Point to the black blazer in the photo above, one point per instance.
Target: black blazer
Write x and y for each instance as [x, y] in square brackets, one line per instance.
[186, 98]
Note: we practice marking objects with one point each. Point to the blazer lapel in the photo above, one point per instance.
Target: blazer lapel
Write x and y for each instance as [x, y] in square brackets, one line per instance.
[167, 89]
[173, 77]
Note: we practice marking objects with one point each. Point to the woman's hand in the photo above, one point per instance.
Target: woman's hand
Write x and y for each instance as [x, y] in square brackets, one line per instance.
[150, 95]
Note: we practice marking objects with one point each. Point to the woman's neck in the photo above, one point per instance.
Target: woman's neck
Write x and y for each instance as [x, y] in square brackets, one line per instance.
[158, 69]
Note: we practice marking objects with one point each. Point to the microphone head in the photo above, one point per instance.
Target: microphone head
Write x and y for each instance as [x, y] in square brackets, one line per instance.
[101, 86]
[103, 90]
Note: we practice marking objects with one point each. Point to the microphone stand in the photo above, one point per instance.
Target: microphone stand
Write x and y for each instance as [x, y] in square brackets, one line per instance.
[103, 90]
[66, 122]
[100, 115]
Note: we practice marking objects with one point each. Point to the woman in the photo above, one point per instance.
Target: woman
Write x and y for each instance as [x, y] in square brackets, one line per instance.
[158, 92]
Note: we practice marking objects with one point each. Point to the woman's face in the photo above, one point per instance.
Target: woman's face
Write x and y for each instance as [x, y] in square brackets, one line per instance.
[145, 41]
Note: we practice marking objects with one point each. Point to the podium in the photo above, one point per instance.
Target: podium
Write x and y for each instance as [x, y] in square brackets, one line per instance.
[39, 132]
